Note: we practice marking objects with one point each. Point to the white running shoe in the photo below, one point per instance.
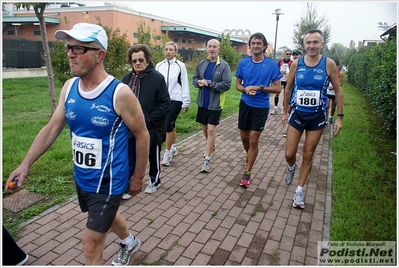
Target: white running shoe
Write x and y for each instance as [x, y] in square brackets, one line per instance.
[206, 167]
[173, 150]
[126, 196]
[166, 158]
[290, 174]
[298, 200]
[151, 188]
[122, 258]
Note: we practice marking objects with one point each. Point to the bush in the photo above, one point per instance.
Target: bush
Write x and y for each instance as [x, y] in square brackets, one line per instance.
[373, 71]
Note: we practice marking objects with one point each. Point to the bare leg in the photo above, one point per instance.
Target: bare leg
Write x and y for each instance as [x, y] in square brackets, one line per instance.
[93, 246]
[244, 134]
[210, 139]
[253, 148]
[119, 226]
[293, 137]
[170, 139]
[205, 130]
[311, 142]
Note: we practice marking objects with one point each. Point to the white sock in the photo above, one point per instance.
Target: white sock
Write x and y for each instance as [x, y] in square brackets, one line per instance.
[128, 241]
[167, 151]
[207, 158]
[299, 189]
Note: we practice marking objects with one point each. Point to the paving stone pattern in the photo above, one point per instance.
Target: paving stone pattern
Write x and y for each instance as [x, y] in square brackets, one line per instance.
[206, 218]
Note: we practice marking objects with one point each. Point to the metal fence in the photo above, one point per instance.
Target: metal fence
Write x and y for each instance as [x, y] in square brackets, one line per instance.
[21, 53]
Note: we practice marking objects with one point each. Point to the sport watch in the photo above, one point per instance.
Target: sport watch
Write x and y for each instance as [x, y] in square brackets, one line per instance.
[341, 115]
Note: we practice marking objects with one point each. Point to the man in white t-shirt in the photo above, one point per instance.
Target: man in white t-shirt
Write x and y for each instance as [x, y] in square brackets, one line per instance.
[284, 65]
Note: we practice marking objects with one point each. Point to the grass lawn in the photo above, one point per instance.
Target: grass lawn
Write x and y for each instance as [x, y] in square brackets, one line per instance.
[364, 167]
[364, 175]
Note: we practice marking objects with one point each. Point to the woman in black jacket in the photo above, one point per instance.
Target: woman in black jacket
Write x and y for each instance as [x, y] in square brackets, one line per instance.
[150, 88]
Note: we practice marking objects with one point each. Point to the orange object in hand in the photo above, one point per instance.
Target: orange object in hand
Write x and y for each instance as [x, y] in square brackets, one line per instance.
[13, 184]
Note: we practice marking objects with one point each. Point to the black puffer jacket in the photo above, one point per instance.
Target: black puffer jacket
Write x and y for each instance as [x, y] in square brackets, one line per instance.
[155, 103]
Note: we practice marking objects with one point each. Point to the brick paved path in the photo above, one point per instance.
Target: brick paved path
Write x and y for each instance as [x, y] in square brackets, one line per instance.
[208, 219]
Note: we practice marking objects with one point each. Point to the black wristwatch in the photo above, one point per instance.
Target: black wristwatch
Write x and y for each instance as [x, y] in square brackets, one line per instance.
[341, 115]
[261, 87]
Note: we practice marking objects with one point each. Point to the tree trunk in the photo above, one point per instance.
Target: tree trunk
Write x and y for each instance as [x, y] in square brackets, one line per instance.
[39, 10]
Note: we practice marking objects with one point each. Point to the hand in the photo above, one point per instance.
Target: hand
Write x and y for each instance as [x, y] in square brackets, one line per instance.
[202, 83]
[337, 125]
[16, 178]
[251, 90]
[185, 110]
[284, 119]
[135, 185]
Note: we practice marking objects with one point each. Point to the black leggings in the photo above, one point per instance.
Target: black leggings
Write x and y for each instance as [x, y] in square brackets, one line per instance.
[154, 158]
[175, 109]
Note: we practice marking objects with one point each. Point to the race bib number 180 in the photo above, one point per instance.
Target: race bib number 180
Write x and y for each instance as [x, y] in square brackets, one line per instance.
[86, 152]
[308, 98]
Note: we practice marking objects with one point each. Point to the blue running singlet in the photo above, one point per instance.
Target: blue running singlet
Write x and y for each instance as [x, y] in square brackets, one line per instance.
[99, 138]
[310, 87]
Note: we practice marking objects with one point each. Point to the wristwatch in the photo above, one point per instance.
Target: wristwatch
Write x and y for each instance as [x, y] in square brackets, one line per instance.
[341, 115]
[261, 87]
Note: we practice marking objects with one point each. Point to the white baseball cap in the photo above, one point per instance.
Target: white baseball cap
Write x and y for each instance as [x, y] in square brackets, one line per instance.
[86, 33]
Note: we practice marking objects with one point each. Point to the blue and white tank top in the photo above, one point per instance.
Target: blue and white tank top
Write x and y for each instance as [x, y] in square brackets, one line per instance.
[99, 137]
[310, 87]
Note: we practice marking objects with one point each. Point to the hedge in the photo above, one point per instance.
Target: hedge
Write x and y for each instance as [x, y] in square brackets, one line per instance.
[373, 71]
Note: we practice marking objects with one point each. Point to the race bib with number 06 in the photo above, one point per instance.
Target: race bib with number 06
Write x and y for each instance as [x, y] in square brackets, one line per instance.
[87, 152]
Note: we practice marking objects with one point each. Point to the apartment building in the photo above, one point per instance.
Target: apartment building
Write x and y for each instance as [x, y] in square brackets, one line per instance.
[23, 24]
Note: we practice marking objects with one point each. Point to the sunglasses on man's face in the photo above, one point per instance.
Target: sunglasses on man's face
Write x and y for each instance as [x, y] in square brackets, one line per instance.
[134, 61]
[288, 54]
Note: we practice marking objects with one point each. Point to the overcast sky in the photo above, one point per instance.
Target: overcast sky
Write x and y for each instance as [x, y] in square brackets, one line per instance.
[348, 20]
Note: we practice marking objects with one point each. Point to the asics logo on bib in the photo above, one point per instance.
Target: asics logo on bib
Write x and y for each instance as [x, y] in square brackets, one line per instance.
[83, 145]
[307, 94]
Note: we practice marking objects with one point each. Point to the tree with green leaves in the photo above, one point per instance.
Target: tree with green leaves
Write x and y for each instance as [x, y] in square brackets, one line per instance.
[115, 63]
[337, 52]
[228, 52]
[147, 35]
[310, 20]
[39, 11]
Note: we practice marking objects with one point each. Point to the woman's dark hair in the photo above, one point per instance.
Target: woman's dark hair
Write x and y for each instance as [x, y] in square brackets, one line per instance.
[137, 48]
[258, 36]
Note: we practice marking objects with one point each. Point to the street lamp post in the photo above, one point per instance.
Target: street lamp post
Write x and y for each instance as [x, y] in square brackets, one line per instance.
[277, 13]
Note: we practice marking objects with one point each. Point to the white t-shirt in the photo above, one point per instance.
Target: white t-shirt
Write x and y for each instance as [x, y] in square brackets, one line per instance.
[285, 67]
[330, 91]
